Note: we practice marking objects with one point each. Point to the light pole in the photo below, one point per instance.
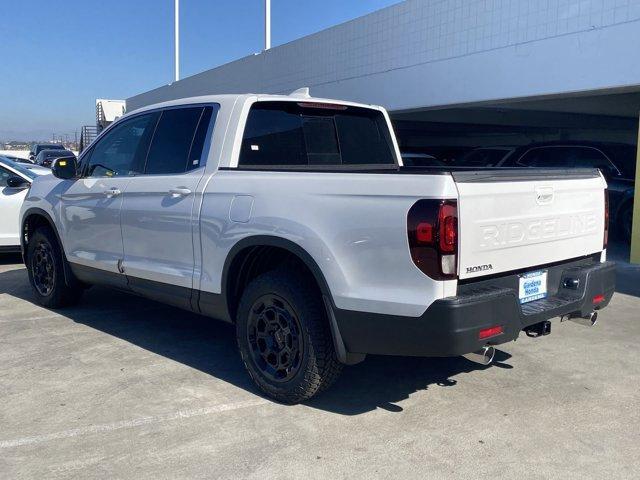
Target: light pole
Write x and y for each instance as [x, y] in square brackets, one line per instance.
[267, 24]
[177, 39]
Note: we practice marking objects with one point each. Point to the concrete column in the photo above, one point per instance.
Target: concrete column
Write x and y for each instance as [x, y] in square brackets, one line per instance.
[635, 236]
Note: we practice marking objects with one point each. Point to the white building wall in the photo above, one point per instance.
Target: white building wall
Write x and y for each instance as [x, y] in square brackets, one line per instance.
[429, 53]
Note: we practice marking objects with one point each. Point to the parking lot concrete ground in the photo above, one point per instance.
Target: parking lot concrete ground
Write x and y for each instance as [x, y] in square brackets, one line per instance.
[121, 387]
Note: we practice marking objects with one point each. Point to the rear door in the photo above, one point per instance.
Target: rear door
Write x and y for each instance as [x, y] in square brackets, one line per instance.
[519, 219]
[159, 205]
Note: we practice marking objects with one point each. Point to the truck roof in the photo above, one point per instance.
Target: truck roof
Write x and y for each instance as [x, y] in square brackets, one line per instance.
[296, 96]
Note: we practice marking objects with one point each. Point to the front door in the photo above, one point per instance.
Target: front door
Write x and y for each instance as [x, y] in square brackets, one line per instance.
[159, 207]
[91, 205]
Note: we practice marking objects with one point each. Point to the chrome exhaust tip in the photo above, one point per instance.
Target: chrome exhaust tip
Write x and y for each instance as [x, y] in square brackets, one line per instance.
[588, 320]
[484, 356]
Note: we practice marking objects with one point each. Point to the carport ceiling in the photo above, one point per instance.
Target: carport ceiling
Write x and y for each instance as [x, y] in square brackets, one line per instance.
[620, 109]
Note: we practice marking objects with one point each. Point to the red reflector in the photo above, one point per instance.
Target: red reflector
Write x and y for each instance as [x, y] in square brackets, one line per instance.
[598, 299]
[490, 332]
[424, 232]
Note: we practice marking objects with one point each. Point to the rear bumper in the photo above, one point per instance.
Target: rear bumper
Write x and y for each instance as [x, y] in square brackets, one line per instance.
[450, 326]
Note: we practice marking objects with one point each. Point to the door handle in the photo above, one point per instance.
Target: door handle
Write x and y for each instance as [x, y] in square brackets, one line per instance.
[179, 192]
[112, 192]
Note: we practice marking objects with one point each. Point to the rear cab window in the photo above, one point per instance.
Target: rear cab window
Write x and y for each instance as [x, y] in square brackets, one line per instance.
[311, 135]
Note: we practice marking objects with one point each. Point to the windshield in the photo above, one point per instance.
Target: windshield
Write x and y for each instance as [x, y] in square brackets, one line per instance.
[56, 153]
[17, 167]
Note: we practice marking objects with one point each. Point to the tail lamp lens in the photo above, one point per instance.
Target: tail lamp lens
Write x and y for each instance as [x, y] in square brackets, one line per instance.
[448, 220]
[432, 228]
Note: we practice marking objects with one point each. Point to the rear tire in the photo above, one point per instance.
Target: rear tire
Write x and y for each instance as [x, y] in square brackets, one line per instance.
[45, 265]
[284, 338]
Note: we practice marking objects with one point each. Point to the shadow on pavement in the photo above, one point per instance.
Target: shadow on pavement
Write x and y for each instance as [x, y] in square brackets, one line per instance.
[209, 346]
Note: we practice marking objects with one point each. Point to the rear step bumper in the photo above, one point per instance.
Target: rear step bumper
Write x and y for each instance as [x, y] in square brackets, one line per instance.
[451, 326]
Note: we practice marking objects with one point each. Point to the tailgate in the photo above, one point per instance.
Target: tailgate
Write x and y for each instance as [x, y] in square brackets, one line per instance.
[514, 219]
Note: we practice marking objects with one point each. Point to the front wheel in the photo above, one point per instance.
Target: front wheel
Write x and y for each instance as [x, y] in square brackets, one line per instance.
[284, 338]
[45, 265]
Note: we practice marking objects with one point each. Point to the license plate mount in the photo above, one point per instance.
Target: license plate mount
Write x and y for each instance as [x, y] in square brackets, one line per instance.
[532, 286]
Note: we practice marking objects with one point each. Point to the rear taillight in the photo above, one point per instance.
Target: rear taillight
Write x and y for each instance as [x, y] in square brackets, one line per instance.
[432, 227]
[605, 240]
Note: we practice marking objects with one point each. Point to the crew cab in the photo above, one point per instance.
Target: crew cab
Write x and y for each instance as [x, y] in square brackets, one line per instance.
[293, 218]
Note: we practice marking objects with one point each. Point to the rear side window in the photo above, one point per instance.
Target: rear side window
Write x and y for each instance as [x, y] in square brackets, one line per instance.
[178, 140]
[549, 157]
[594, 158]
[289, 134]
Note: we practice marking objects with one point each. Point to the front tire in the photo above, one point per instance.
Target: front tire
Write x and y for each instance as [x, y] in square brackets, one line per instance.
[284, 337]
[45, 265]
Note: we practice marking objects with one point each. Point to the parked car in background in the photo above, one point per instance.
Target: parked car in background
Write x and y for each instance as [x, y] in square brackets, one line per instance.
[15, 179]
[420, 160]
[292, 218]
[616, 161]
[46, 157]
[37, 169]
[36, 148]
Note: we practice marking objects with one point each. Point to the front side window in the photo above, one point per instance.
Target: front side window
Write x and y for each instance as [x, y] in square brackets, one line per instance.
[178, 140]
[307, 134]
[122, 151]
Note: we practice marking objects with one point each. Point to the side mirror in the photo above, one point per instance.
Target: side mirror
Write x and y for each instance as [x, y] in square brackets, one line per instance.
[17, 182]
[32, 157]
[65, 168]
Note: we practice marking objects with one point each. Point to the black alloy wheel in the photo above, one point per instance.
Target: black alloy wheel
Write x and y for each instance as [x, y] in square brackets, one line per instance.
[43, 268]
[284, 336]
[275, 338]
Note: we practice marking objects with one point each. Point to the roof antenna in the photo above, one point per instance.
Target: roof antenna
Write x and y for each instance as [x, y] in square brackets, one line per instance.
[301, 92]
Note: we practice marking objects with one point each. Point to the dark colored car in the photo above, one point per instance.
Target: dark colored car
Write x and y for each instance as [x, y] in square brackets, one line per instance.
[36, 148]
[616, 161]
[46, 157]
[484, 156]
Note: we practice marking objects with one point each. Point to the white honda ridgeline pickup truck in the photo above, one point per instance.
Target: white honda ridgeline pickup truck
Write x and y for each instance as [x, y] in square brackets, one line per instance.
[293, 218]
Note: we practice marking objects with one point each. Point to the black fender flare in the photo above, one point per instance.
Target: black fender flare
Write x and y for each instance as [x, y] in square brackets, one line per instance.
[316, 271]
[69, 277]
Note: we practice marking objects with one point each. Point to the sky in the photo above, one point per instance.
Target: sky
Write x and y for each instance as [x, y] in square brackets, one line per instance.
[57, 57]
